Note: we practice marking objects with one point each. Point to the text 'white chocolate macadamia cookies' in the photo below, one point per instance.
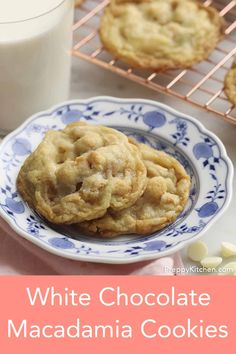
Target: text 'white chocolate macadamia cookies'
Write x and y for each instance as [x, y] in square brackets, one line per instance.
[76, 174]
[160, 34]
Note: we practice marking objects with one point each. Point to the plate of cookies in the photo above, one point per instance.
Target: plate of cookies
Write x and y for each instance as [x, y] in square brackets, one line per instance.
[113, 180]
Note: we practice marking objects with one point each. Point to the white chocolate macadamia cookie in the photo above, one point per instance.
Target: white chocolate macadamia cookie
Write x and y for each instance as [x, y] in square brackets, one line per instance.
[163, 200]
[160, 34]
[76, 174]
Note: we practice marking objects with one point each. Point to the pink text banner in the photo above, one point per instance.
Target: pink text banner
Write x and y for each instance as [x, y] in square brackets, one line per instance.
[117, 315]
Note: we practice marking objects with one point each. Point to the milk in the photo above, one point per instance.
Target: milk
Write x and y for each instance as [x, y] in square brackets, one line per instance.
[35, 42]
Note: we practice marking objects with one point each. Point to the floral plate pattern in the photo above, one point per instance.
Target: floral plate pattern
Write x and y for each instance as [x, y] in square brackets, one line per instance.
[201, 153]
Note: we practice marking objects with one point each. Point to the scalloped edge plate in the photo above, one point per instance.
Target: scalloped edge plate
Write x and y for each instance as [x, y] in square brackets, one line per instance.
[151, 122]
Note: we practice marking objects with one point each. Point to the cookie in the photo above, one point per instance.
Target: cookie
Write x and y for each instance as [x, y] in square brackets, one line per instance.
[76, 174]
[230, 84]
[78, 2]
[163, 200]
[160, 34]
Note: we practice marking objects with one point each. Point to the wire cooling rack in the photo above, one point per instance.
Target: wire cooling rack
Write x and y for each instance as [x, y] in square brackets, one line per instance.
[202, 84]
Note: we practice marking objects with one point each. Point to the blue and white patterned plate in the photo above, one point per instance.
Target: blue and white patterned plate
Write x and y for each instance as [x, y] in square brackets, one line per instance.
[152, 123]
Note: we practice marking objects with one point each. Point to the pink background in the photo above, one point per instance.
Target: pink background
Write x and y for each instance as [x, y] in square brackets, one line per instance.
[14, 305]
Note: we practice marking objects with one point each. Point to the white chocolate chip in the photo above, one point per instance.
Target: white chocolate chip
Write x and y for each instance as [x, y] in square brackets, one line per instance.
[197, 251]
[228, 269]
[228, 249]
[211, 262]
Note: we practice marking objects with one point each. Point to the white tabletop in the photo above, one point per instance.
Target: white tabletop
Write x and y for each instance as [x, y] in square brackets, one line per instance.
[90, 80]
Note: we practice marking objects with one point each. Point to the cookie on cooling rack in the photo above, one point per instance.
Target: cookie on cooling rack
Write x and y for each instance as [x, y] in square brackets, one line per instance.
[76, 174]
[163, 200]
[230, 83]
[160, 34]
[78, 2]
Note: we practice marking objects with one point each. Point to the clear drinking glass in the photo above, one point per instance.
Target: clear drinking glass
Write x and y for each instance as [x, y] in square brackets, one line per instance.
[35, 60]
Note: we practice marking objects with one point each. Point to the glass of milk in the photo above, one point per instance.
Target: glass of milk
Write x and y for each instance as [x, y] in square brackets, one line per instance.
[35, 61]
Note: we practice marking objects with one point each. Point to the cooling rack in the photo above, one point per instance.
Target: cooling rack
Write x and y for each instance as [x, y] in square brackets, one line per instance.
[201, 85]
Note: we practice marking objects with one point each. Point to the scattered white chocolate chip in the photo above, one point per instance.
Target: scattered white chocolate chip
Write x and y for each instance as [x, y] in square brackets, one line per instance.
[211, 262]
[228, 269]
[228, 249]
[197, 251]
